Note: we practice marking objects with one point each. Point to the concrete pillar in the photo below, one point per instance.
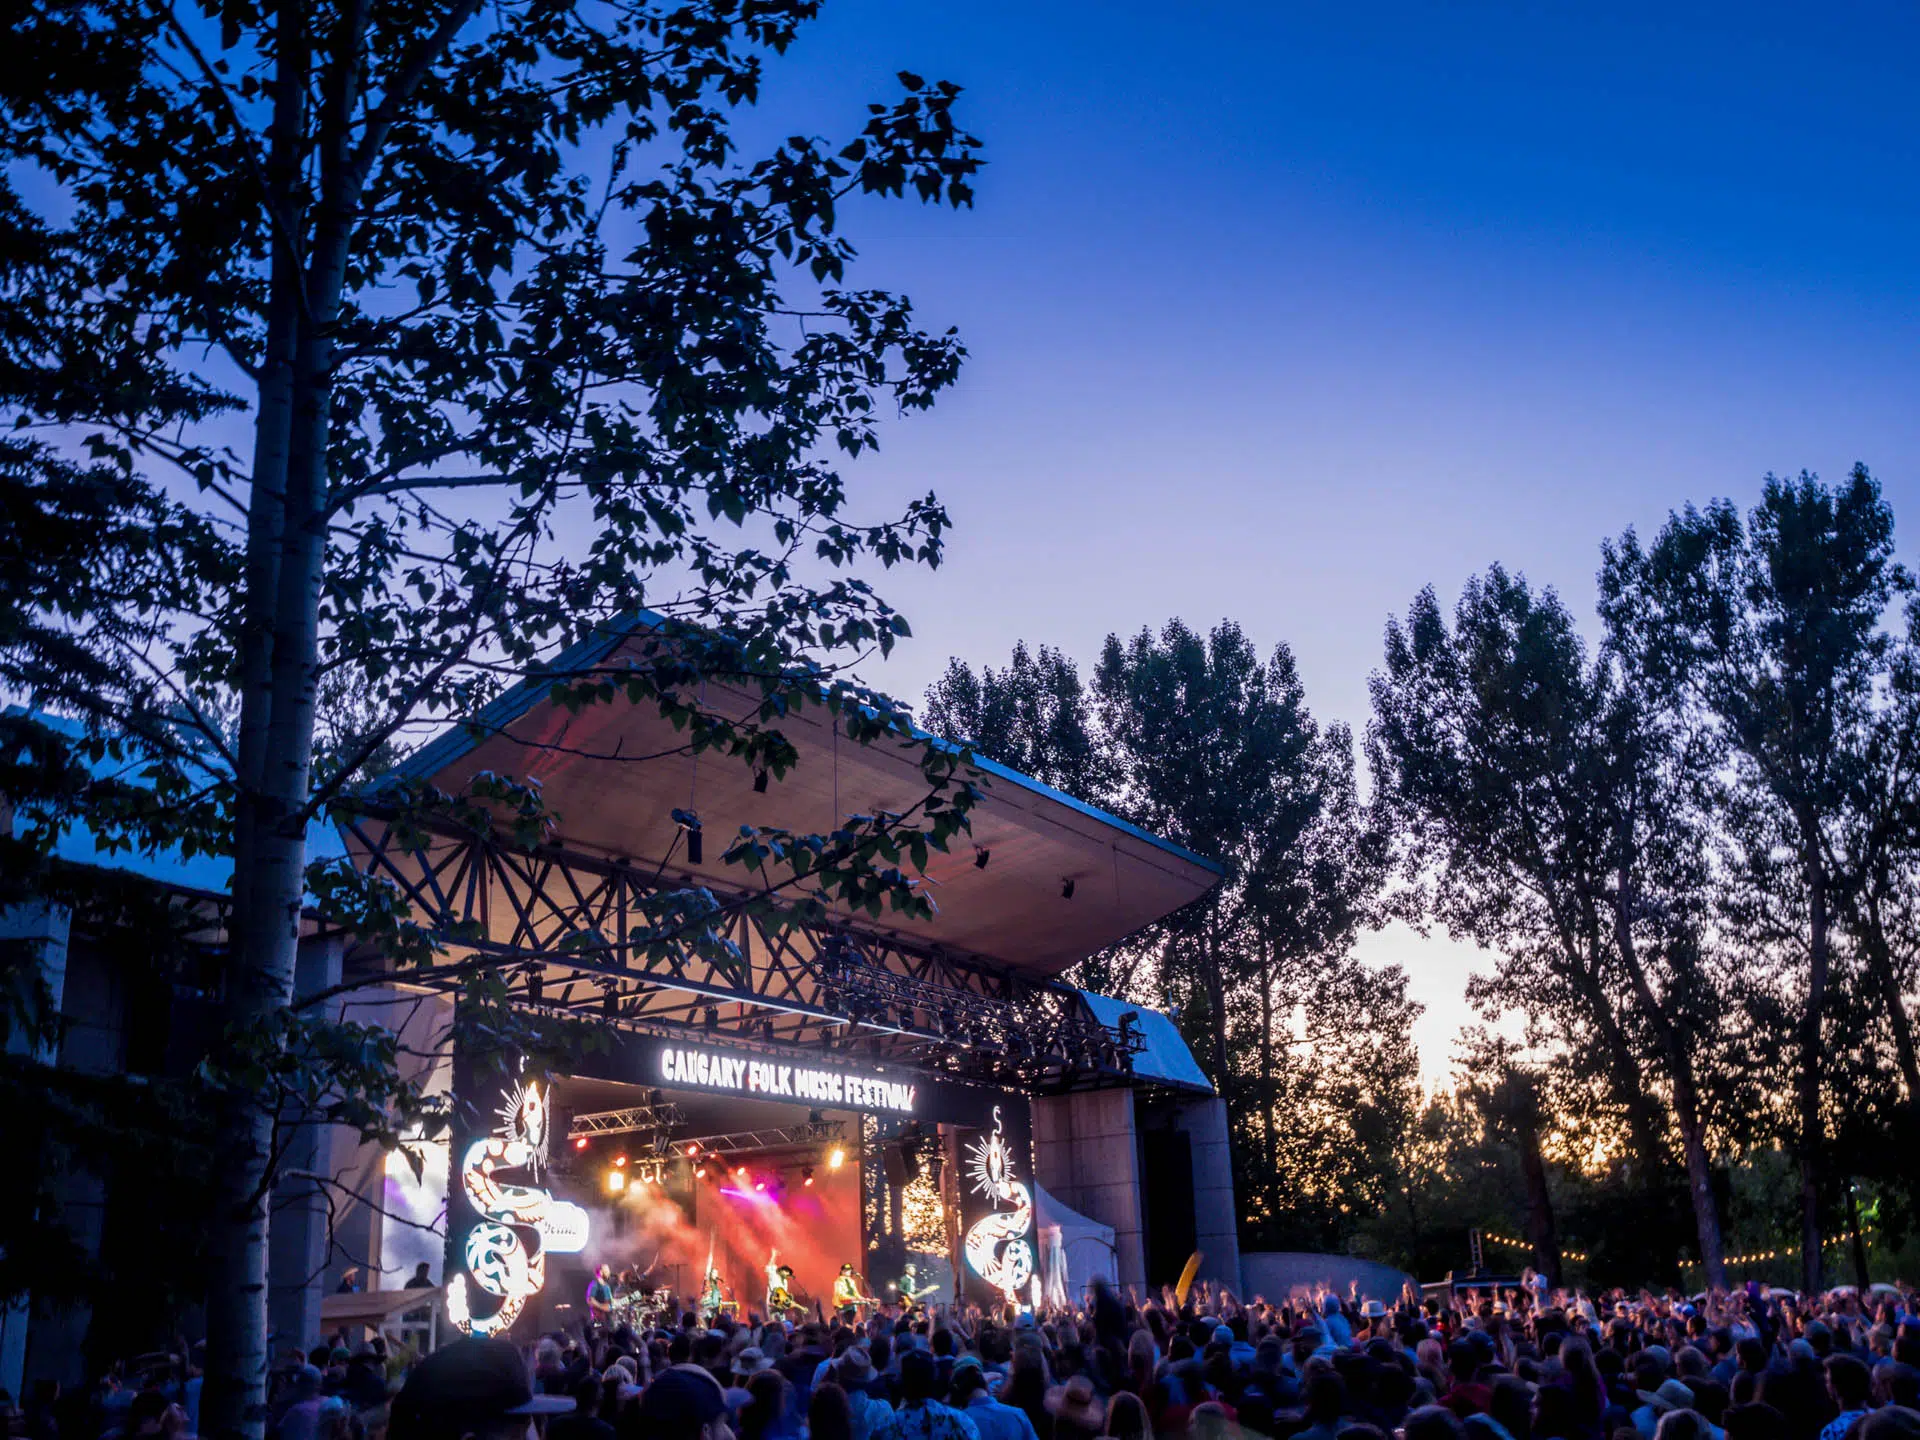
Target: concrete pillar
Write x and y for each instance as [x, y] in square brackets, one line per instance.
[297, 1233]
[48, 927]
[1215, 1221]
[1087, 1156]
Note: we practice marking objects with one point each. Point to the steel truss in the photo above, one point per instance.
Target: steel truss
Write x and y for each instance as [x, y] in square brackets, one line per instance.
[571, 931]
[661, 1118]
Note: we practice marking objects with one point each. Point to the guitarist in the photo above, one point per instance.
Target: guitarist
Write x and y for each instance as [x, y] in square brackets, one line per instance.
[847, 1298]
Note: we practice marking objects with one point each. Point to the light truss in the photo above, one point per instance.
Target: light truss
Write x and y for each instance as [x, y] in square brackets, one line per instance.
[661, 1118]
[570, 932]
[785, 1137]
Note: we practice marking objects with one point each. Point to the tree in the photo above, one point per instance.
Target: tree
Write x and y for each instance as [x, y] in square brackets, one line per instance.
[1033, 716]
[1774, 626]
[408, 343]
[1551, 808]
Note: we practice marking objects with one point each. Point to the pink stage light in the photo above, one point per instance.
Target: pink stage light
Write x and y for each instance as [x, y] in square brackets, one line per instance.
[756, 1198]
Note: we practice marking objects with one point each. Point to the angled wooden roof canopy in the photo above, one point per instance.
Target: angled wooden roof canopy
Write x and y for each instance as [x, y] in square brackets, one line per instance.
[614, 804]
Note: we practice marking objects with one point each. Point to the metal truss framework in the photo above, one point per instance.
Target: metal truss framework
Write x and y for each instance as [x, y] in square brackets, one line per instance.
[576, 933]
[661, 1118]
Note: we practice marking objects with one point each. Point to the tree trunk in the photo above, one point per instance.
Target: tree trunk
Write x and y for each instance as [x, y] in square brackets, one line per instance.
[1809, 1079]
[1860, 1277]
[1892, 1003]
[270, 858]
[1542, 1234]
[1269, 1107]
[1686, 1098]
[233, 1404]
[1217, 1002]
[1624, 1072]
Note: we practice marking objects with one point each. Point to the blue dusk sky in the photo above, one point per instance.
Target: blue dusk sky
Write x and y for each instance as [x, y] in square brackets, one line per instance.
[1283, 312]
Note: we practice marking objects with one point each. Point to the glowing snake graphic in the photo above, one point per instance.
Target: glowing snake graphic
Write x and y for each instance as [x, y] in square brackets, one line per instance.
[498, 1258]
[991, 1169]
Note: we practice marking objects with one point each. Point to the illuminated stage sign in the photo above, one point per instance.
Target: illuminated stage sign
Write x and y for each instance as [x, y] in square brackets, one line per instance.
[811, 1084]
[518, 1224]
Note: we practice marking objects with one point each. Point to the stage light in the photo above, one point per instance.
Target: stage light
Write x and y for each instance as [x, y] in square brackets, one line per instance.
[579, 1142]
[806, 1177]
[739, 1172]
[836, 1157]
[760, 1184]
[693, 1149]
[616, 1181]
[619, 1159]
[699, 1172]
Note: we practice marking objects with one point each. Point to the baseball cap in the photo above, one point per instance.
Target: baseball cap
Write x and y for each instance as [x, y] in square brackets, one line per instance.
[465, 1385]
[679, 1400]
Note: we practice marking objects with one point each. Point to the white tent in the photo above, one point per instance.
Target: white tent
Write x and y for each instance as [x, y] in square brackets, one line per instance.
[1073, 1249]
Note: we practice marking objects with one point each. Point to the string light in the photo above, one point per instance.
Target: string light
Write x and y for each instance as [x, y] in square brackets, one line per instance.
[1579, 1257]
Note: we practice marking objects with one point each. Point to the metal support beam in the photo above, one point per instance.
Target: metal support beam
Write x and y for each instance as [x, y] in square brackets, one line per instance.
[586, 935]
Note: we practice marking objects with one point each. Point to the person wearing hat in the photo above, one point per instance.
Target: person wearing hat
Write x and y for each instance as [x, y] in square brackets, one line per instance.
[1077, 1412]
[472, 1389]
[920, 1416]
[747, 1364]
[867, 1405]
[1668, 1395]
[683, 1402]
[993, 1419]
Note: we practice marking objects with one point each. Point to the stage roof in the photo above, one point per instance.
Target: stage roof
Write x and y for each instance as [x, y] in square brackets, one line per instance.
[603, 773]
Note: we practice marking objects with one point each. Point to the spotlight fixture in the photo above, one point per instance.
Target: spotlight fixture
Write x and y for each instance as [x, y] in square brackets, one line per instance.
[620, 1160]
[980, 857]
[760, 1185]
[690, 827]
[836, 1157]
[739, 1172]
[760, 782]
[579, 1142]
[693, 1149]
[1066, 889]
[700, 1171]
[806, 1177]
[616, 1181]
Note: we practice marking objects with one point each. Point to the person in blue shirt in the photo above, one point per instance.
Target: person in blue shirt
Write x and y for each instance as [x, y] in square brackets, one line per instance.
[972, 1398]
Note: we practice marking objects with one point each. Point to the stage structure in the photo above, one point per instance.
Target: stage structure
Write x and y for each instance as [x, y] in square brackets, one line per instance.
[844, 1091]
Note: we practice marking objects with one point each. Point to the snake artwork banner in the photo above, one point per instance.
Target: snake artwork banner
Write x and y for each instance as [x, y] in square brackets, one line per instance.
[997, 1212]
[516, 1224]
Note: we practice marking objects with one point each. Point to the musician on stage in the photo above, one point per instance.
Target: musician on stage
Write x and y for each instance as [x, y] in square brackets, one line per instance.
[779, 1288]
[847, 1298]
[714, 1293]
[911, 1290]
[600, 1297]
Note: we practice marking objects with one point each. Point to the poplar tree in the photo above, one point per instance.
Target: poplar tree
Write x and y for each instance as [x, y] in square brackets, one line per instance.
[384, 348]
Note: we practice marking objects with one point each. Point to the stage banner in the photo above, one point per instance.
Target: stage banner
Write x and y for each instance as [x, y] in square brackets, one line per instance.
[502, 1218]
[998, 1241]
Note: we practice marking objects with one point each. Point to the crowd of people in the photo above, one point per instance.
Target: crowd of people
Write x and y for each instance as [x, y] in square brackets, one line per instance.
[1529, 1364]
